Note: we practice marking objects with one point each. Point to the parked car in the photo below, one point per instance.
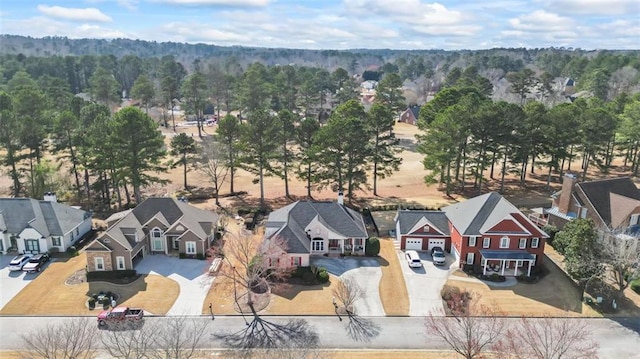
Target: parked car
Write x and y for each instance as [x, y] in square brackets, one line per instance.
[36, 262]
[437, 254]
[413, 259]
[119, 315]
[18, 262]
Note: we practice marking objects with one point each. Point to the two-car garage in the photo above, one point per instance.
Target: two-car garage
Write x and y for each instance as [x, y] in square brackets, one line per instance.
[417, 244]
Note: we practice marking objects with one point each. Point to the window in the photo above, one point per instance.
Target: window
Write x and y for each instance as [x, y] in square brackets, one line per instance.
[583, 212]
[535, 242]
[519, 263]
[425, 229]
[470, 258]
[472, 241]
[120, 263]
[504, 242]
[32, 245]
[523, 243]
[156, 233]
[535, 258]
[56, 241]
[357, 241]
[634, 219]
[191, 247]
[296, 261]
[317, 246]
[486, 242]
[99, 263]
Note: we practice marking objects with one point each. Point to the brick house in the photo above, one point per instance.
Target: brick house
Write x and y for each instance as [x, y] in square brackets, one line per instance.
[410, 115]
[156, 226]
[612, 203]
[486, 231]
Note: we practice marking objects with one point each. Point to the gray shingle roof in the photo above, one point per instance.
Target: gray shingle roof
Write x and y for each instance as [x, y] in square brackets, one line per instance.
[48, 218]
[290, 221]
[409, 218]
[476, 215]
[168, 211]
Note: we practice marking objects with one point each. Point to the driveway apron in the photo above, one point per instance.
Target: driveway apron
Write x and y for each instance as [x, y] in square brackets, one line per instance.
[425, 284]
[190, 274]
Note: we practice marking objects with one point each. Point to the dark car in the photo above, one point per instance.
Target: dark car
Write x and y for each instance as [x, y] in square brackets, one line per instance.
[36, 263]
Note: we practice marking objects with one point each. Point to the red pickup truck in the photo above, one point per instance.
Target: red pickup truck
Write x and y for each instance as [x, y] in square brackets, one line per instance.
[119, 314]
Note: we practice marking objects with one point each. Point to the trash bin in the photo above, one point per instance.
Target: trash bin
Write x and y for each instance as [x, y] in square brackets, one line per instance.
[113, 303]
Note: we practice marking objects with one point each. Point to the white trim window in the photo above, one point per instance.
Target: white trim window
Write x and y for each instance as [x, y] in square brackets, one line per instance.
[190, 247]
[120, 263]
[486, 242]
[156, 239]
[472, 241]
[523, 243]
[504, 242]
[426, 228]
[317, 246]
[296, 261]
[535, 242]
[56, 241]
[519, 263]
[634, 219]
[471, 257]
[98, 263]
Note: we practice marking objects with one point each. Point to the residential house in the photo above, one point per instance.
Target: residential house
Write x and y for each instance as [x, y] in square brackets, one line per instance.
[486, 231]
[316, 228]
[156, 226]
[410, 115]
[32, 226]
[612, 203]
[422, 230]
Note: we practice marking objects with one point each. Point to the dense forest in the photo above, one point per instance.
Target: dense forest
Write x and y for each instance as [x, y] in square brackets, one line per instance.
[300, 113]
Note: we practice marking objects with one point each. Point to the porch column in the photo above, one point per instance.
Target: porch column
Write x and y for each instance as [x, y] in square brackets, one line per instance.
[515, 271]
[484, 268]
[502, 271]
[529, 270]
[342, 246]
[166, 247]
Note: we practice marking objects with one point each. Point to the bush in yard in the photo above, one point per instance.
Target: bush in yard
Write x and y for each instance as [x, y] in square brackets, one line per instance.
[182, 255]
[72, 251]
[91, 302]
[323, 277]
[551, 230]
[372, 248]
[200, 256]
[635, 286]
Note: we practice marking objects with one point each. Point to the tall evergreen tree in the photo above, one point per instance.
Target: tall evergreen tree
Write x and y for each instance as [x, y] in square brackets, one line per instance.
[143, 90]
[10, 141]
[384, 151]
[228, 135]
[183, 146]
[305, 136]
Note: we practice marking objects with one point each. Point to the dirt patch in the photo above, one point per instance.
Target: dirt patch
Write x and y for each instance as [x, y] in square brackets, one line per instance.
[393, 291]
[77, 278]
[48, 294]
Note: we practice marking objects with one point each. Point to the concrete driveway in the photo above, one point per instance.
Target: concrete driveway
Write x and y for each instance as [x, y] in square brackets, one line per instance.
[368, 273]
[11, 283]
[190, 274]
[424, 284]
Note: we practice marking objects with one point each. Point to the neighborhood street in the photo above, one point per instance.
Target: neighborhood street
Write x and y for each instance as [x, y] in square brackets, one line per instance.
[616, 340]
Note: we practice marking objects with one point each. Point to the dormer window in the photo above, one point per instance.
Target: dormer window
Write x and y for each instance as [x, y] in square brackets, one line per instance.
[634, 219]
[155, 233]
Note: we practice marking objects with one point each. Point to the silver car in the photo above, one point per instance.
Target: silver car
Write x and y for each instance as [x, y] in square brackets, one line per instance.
[18, 262]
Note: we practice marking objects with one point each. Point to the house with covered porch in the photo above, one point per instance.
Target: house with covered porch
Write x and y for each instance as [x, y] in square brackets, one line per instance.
[156, 226]
[316, 228]
[490, 232]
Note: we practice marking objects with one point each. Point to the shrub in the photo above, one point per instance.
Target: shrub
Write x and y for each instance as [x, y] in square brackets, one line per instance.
[323, 277]
[300, 271]
[551, 231]
[372, 248]
[91, 302]
[635, 286]
[72, 251]
[494, 277]
[200, 256]
[182, 255]
[110, 275]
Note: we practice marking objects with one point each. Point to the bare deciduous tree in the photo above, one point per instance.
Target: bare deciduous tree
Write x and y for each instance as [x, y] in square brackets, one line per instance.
[129, 344]
[621, 254]
[348, 291]
[549, 338]
[179, 337]
[253, 263]
[473, 330]
[213, 163]
[72, 339]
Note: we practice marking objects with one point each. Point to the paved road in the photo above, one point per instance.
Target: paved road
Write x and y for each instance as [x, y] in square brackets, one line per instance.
[616, 341]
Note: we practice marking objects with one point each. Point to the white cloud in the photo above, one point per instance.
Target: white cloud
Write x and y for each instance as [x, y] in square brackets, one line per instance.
[542, 21]
[76, 14]
[40, 26]
[98, 32]
[129, 4]
[235, 3]
[593, 7]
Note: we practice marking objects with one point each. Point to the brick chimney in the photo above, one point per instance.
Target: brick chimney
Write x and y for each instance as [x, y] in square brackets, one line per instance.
[568, 182]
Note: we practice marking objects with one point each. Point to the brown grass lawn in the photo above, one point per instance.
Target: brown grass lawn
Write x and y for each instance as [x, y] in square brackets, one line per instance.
[552, 295]
[48, 294]
[393, 292]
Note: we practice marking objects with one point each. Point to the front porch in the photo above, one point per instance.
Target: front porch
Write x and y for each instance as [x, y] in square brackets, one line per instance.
[507, 263]
[343, 246]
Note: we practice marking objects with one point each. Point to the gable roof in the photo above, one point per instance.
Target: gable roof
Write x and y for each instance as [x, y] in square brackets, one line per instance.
[415, 110]
[167, 210]
[409, 218]
[48, 218]
[480, 214]
[599, 194]
[289, 222]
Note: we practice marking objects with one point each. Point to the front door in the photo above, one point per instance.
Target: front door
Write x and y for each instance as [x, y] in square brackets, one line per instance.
[32, 246]
[334, 244]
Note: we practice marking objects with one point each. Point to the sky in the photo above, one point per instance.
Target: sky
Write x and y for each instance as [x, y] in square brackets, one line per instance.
[336, 24]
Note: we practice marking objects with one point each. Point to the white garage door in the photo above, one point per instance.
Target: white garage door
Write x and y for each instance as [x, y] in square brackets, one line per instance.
[413, 243]
[436, 243]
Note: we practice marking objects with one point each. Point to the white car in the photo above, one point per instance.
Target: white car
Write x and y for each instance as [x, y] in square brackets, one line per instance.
[413, 259]
[18, 262]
